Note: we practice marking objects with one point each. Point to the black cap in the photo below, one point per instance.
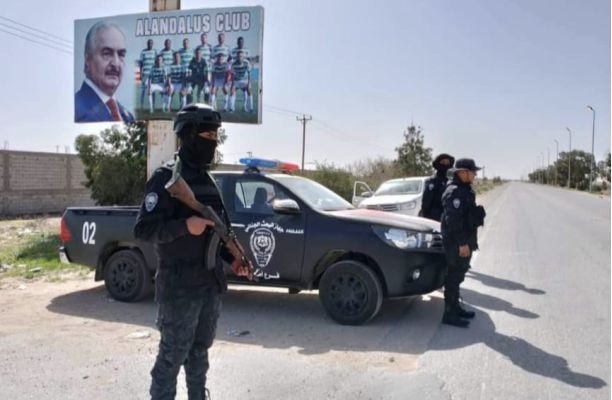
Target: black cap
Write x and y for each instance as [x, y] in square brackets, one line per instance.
[465, 163]
[440, 157]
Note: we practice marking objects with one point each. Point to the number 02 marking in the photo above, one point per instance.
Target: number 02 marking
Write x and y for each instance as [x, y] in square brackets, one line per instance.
[89, 232]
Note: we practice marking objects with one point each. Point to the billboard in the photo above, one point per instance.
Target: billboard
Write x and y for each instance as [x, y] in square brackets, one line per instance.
[147, 66]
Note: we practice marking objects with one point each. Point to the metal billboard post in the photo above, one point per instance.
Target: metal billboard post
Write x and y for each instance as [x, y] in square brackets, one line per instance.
[161, 140]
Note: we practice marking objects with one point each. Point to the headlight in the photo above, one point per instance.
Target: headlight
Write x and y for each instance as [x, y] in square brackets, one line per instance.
[408, 206]
[403, 239]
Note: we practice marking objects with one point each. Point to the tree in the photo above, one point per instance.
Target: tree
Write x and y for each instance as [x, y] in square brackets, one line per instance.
[115, 163]
[375, 171]
[581, 165]
[334, 178]
[604, 168]
[413, 158]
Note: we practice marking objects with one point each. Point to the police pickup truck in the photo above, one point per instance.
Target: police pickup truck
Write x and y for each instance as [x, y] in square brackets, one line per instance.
[299, 235]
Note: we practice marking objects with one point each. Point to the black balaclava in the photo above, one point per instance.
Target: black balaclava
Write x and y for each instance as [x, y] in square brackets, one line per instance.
[195, 150]
[441, 170]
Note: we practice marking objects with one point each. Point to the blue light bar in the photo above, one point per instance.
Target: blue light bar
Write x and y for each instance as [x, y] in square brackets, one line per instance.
[258, 162]
[252, 162]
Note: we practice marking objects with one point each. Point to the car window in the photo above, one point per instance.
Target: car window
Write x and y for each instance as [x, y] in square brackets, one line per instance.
[256, 196]
[399, 187]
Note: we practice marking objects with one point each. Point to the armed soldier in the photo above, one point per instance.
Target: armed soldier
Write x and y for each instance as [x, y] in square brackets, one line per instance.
[189, 279]
[460, 221]
[431, 206]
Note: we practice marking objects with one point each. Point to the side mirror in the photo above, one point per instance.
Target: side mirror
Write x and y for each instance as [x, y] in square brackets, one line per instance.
[366, 194]
[286, 206]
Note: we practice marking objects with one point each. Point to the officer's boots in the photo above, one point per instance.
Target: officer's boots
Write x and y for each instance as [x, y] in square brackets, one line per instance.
[463, 313]
[452, 316]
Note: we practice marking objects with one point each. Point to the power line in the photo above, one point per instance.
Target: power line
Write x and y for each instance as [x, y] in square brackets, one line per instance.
[35, 29]
[293, 112]
[37, 42]
[348, 138]
[52, 41]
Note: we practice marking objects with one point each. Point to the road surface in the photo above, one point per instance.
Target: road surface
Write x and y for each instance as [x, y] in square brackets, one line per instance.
[540, 287]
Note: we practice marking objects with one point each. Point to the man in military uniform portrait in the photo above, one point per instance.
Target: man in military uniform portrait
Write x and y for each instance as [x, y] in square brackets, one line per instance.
[460, 221]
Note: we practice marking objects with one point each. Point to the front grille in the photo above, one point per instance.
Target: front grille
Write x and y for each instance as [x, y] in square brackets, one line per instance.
[383, 207]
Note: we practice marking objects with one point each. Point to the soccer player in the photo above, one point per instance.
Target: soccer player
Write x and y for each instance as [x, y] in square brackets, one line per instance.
[167, 53]
[221, 48]
[219, 73]
[239, 47]
[178, 82]
[241, 79]
[205, 48]
[147, 61]
[158, 81]
[199, 69]
[186, 53]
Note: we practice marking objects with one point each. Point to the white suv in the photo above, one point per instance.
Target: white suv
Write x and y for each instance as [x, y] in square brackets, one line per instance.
[403, 195]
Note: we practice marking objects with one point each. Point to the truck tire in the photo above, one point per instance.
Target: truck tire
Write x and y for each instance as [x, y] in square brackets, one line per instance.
[350, 292]
[126, 276]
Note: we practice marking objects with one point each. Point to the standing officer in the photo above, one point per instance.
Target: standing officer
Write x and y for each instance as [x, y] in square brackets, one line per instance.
[460, 221]
[431, 206]
[188, 290]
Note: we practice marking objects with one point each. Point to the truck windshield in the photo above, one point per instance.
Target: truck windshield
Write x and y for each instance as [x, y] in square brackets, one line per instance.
[399, 187]
[314, 194]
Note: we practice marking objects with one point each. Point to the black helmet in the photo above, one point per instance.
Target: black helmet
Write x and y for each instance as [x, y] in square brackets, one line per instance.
[440, 157]
[201, 116]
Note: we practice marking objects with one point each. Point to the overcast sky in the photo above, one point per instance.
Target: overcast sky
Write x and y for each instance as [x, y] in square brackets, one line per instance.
[497, 81]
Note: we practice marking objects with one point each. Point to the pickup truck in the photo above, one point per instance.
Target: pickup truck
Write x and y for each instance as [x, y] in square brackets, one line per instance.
[299, 235]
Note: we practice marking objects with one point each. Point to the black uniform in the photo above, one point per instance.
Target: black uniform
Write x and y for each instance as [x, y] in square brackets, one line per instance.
[460, 221]
[431, 206]
[187, 289]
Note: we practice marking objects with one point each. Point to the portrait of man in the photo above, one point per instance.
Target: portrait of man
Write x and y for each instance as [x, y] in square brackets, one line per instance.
[105, 52]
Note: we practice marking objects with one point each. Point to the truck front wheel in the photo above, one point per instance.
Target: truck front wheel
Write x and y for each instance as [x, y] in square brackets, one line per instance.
[350, 292]
[126, 276]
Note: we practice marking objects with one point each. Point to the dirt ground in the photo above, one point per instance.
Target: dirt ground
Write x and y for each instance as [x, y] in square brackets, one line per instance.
[69, 340]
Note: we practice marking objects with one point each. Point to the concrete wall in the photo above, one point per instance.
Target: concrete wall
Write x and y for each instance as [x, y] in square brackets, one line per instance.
[35, 183]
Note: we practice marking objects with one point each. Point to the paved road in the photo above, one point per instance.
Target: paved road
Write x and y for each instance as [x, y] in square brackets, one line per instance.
[540, 287]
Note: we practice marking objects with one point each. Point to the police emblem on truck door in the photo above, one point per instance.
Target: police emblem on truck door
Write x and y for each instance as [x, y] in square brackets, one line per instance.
[262, 245]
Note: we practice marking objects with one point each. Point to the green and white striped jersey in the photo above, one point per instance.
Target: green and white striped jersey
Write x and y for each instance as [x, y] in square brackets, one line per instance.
[220, 50]
[241, 71]
[235, 51]
[206, 50]
[186, 56]
[147, 60]
[168, 57]
[158, 75]
[219, 71]
[177, 73]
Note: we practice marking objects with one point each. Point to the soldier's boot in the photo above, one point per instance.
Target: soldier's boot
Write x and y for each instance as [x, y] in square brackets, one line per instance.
[452, 317]
[463, 313]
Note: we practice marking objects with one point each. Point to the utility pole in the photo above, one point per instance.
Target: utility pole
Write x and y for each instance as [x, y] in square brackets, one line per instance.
[303, 120]
[569, 160]
[484, 176]
[548, 166]
[592, 151]
[557, 164]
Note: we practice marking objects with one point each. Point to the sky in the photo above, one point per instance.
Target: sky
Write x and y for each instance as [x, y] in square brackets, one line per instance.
[497, 81]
